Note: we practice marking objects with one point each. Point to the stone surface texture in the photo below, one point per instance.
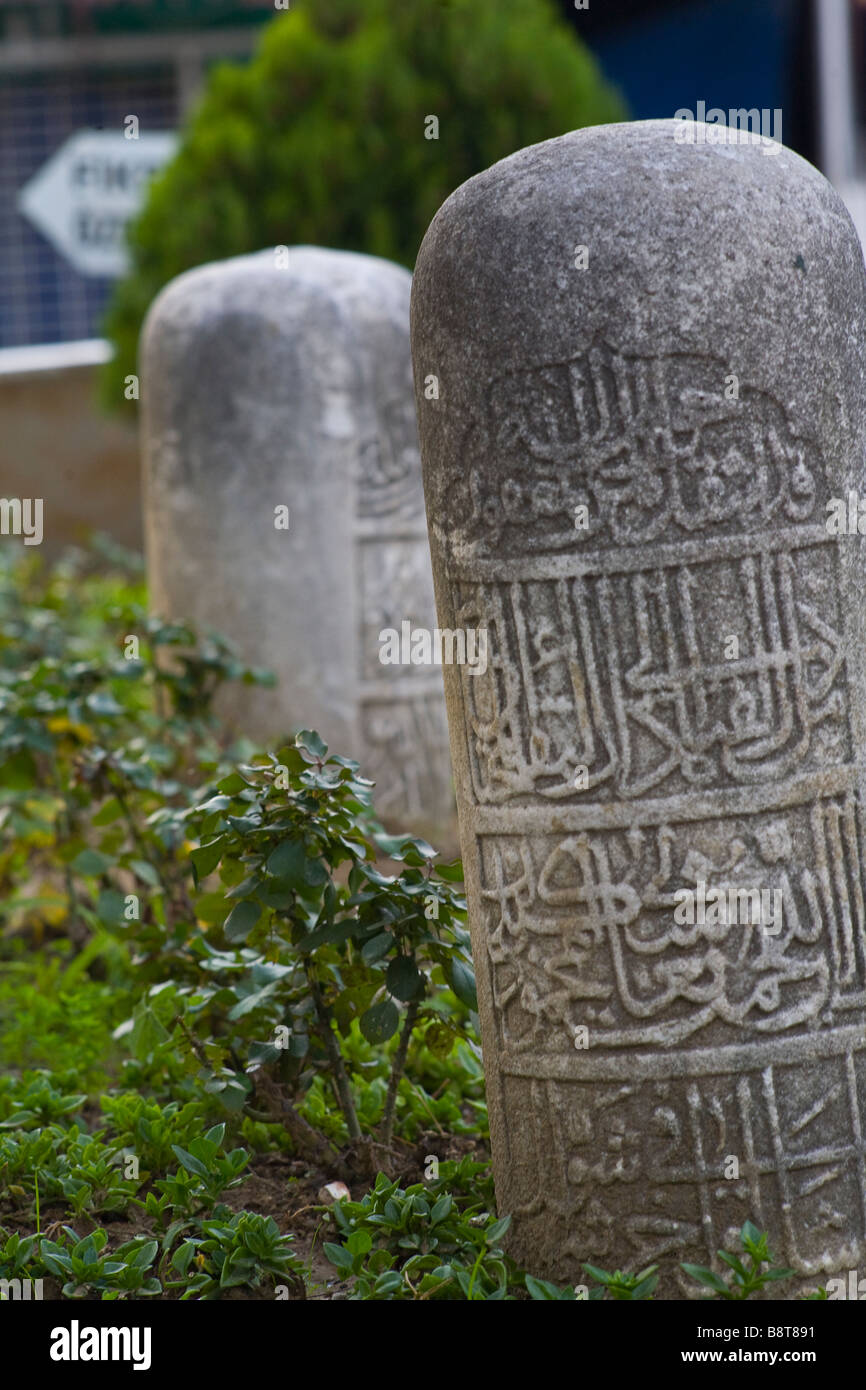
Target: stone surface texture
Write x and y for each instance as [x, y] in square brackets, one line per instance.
[263, 386]
[620, 748]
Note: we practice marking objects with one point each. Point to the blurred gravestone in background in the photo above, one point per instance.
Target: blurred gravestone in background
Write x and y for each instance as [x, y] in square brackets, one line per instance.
[283, 381]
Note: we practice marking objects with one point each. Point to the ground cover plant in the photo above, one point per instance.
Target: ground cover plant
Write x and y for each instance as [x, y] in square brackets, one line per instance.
[238, 1041]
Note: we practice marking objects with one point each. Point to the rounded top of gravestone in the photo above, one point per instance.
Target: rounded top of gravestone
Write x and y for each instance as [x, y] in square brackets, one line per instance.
[285, 334]
[668, 251]
[267, 282]
[670, 214]
[659, 205]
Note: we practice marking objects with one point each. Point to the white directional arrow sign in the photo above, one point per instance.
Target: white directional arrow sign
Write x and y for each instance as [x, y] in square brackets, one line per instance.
[82, 199]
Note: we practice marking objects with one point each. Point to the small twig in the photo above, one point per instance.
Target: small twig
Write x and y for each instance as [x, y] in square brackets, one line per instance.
[195, 1046]
[437, 1288]
[67, 825]
[420, 1094]
[315, 1206]
[335, 1057]
[307, 1140]
[140, 845]
[313, 1247]
[398, 1066]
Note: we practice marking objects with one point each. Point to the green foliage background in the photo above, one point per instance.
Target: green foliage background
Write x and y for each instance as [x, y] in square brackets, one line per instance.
[320, 139]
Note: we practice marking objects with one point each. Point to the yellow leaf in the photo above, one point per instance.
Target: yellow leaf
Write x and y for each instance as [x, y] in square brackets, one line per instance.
[60, 724]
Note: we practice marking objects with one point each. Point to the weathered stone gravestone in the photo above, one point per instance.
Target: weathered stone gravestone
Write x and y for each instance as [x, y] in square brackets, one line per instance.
[660, 776]
[284, 507]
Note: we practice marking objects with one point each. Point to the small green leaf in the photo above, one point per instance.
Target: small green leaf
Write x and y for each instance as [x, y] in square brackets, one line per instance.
[752, 1237]
[146, 872]
[403, 978]
[359, 1242]
[215, 803]
[706, 1276]
[109, 906]
[376, 947]
[462, 981]
[338, 1255]
[389, 1282]
[232, 784]
[189, 1161]
[147, 1033]
[540, 1290]
[644, 1287]
[405, 847]
[452, 873]
[211, 907]
[241, 920]
[110, 811]
[90, 863]
[245, 887]
[380, 1022]
[287, 862]
[308, 738]
[144, 1256]
[334, 935]
[290, 758]
[252, 1001]
[498, 1228]
[733, 1263]
[440, 1039]
[182, 1256]
[206, 857]
[103, 702]
[315, 873]
[441, 1208]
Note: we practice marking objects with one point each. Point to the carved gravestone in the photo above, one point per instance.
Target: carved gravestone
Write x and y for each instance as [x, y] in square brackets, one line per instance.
[277, 388]
[627, 473]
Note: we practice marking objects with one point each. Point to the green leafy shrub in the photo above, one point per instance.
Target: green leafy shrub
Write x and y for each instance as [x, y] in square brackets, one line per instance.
[38, 1102]
[744, 1280]
[321, 138]
[49, 1019]
[152, 1131]
[314, 937]
[244, 1250]
[16, 1255]
[245, 903]
[205, 1173]
[86, 1267]
[439, 1240]
[623, 1288]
